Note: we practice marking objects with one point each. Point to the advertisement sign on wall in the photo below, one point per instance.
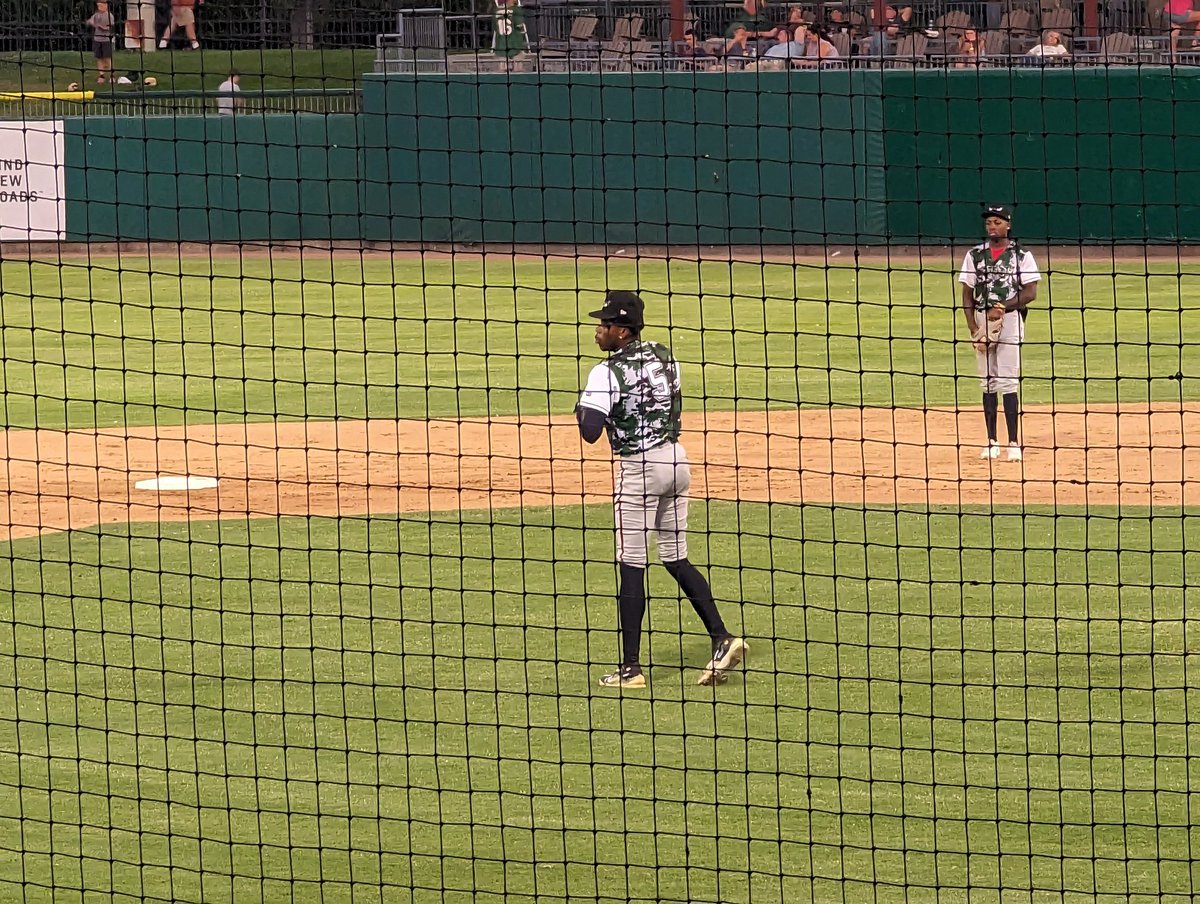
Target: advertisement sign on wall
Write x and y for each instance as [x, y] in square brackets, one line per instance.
[33, 203]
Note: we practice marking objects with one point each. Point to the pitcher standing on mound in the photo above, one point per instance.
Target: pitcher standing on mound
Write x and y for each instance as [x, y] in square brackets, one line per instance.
[999, 280]
[636, 396]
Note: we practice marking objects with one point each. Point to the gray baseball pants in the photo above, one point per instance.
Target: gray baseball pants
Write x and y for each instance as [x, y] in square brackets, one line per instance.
[652, 497]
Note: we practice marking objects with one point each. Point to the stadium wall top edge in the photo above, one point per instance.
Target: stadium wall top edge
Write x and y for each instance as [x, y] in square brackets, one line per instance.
[840, 255]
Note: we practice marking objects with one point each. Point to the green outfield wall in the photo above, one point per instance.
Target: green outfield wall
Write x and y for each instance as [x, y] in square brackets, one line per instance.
[213, 178]
[1088, 154]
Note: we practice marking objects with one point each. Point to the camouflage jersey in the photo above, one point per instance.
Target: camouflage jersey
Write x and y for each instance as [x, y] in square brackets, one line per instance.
[997, 281]
[638, 388]
[508, 29]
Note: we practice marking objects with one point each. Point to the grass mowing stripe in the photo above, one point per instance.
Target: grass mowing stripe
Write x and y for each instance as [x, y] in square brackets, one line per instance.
[199, 340]
[935, 698]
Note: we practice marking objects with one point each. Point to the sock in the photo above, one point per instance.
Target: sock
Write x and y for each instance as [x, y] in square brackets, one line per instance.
[631, 605]
[692, 583]
[1012, 406]
[990, 406]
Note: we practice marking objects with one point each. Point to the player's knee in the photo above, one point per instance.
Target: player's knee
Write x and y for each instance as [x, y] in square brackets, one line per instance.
[632, 557]
[675, 564]
[672, 552]
[1007, 385]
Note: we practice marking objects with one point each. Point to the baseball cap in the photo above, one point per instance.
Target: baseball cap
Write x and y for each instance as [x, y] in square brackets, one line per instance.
[997, 210]
[622, 309]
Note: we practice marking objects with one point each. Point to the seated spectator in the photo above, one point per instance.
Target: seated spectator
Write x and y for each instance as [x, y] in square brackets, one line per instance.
[1180, 15]
[692, 47]
[836, 21]
[818, 47]
[791, 49]
[753, 21]
[739, 44]
[970, 50]
[1051, 46]
[904, 18]
[883, 41]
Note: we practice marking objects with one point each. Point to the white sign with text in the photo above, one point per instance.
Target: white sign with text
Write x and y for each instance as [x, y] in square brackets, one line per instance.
[33, 198]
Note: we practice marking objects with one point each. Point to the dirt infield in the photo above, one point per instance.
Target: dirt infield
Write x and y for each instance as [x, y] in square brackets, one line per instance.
[56, 480]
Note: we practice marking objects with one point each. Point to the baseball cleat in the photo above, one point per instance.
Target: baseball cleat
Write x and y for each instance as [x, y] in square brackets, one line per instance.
[1014, 452]
[726, 655]
[991, 450]
[625, 676]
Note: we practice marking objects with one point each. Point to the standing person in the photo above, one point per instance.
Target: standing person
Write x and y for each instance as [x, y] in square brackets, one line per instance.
[101, 24]
[509, 36]
[183, 15]
[635, 395]
[227, 103]
[999, 279]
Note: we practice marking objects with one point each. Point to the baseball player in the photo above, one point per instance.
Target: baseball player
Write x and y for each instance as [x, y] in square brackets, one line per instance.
[509, 36]
[635, 395]
[999, 279]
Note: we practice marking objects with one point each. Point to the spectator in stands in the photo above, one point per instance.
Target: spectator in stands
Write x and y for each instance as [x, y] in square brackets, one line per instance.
[1051, 46]
[791, 49]
[903, 18]
[691, 47]
[183, 15]
[883, 41]
[101, 24]
[227, 104]
[1180, 15]
[753, 21]
[836, 21]
[738, 45]
[818, 47]
[970, 50]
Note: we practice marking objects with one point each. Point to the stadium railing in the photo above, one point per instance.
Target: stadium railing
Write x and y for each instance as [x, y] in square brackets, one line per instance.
[180, 103]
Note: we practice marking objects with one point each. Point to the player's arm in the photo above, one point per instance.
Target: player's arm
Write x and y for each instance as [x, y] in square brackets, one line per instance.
[968, 306]
[591, 423]
[595, 402]
[1030, 277]
[967, 278]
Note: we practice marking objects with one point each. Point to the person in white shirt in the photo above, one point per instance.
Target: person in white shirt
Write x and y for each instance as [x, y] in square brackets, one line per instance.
[226, 103]
[1051, 46]
[818, 48]
[791, 46]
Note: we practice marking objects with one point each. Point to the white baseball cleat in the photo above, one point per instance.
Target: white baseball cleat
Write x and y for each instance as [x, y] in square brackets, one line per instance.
[991, 450]
[1014, 452]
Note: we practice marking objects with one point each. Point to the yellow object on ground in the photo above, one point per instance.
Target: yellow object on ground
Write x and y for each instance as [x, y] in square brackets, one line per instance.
[77, 96]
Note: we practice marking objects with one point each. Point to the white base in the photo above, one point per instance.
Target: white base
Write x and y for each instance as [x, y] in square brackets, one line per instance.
[168, 484]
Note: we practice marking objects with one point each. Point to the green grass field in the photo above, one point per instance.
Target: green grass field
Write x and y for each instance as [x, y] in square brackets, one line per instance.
[186, 70]
[953, 705]
[125, 342]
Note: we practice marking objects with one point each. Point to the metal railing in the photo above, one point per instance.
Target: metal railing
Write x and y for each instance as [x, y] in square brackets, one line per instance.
[551, 19]
[184, 103]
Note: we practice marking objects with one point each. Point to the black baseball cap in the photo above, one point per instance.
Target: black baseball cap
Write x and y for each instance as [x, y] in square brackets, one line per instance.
[998, 210]
[622, 309]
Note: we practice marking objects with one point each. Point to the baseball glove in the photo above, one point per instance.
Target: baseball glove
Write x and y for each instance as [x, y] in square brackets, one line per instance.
[993, 323]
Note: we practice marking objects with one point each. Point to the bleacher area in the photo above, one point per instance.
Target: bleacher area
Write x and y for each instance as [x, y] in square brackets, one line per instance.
[569, 37]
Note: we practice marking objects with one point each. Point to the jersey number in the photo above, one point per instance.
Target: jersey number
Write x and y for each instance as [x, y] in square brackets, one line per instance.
[660, 386]
[503, 25]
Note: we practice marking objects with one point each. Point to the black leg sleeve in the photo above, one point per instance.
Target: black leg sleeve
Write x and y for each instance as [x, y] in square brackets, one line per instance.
[1012, 410]
[631, 603]
[692, 583]
[990, 408]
